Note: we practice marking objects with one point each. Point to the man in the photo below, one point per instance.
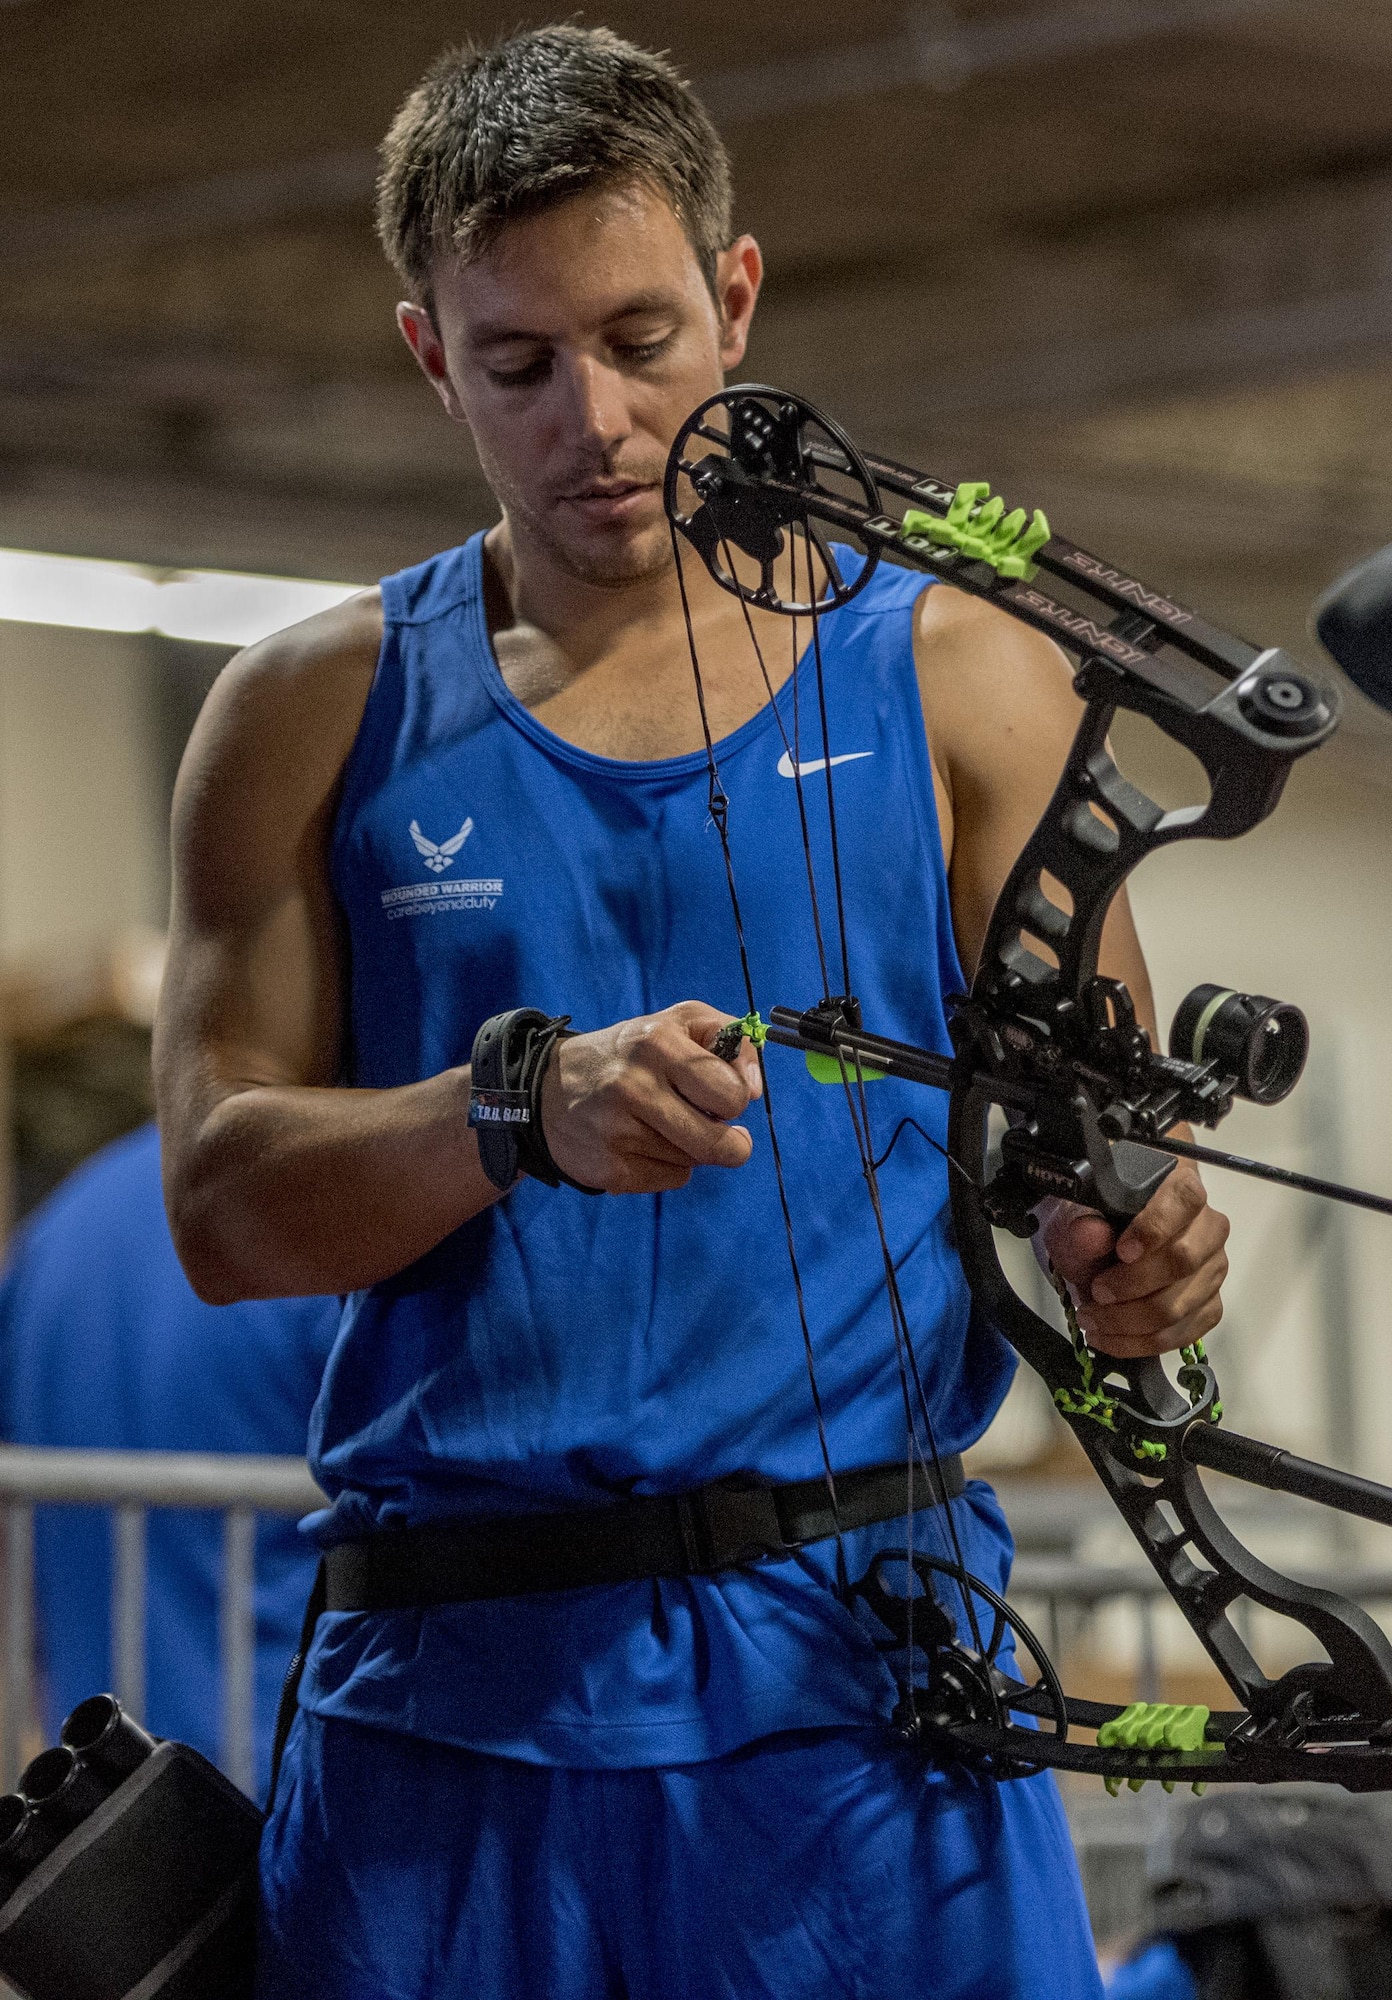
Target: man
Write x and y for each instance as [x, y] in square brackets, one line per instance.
[103, 1345]
[532, 1755]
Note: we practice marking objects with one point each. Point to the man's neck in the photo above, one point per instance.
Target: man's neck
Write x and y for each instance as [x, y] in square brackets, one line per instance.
[609, 667]
[586, 621]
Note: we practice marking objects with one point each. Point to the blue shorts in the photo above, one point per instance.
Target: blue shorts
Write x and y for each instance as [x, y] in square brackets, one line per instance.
[817, 1864]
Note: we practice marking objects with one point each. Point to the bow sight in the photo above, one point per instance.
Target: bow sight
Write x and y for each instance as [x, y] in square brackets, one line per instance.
[757, 482]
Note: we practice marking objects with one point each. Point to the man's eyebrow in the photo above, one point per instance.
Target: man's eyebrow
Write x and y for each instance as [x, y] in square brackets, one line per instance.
[496, 333]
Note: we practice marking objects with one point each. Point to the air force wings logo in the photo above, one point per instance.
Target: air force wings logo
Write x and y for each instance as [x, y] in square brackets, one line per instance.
[439, 855]
[440, 897]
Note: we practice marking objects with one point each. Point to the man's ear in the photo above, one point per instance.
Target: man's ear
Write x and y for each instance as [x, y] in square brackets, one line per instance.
[422, 336]
[739, 272]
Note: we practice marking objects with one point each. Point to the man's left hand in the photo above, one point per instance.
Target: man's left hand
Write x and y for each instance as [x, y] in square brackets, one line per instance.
[1155, 1287]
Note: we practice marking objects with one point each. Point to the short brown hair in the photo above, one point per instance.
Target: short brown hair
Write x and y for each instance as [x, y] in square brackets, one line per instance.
[493, 133]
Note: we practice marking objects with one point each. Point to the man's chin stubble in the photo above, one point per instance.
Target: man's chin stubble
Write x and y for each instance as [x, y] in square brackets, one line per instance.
[614, 569]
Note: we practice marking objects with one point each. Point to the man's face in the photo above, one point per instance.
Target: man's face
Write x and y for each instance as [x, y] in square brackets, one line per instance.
[573, 350]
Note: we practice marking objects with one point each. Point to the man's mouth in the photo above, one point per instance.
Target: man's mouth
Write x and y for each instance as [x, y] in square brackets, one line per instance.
[611, 500]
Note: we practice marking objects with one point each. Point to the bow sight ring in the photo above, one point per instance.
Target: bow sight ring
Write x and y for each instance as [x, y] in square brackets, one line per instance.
[1261, 1043]
[774, 464]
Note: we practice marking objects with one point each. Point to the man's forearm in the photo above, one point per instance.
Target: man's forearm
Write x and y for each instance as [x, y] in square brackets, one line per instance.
[279, 1189]
[285, 1190]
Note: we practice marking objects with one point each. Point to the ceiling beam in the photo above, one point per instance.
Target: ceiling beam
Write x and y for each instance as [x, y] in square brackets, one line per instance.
[932, 49]
[970, 363]
[325, 184]
[935, 50]
[1252, 288]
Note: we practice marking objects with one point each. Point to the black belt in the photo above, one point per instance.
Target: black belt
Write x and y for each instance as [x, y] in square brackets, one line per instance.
[684, 1534]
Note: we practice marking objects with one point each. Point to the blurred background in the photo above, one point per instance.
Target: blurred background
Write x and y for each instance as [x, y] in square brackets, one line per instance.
[1130, 260]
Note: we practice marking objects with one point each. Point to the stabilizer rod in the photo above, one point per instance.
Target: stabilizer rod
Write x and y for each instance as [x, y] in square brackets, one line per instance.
[1282, 1472]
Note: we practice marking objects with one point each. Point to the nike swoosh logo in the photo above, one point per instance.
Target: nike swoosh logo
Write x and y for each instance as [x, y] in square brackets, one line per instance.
[787, 769]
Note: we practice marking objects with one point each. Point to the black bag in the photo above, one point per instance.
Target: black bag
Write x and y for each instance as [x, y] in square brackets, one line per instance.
[127, 1870]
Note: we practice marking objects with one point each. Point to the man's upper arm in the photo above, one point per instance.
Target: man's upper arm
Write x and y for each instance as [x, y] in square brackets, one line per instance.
[252, 989]
[1000, 711]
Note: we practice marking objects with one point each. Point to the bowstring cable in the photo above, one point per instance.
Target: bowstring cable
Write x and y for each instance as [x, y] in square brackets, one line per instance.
[846, 987]
[791, 752]
[905, 1356]
[719, 805]
[906, 1360]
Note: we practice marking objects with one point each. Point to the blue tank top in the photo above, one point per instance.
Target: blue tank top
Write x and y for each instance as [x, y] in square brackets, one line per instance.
[560, 1351]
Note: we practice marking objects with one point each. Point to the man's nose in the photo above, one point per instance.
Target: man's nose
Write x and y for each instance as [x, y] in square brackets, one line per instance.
[599, 405]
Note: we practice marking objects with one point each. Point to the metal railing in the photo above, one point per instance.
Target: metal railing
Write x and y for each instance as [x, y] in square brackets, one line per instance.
[1064, 1584]
[130, 1483]
[1065, 1590]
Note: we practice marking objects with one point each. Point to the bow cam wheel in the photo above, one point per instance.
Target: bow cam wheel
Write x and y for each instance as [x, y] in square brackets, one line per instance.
[759, 482]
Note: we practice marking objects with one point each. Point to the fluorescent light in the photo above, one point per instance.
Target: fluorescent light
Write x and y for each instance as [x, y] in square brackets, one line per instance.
[220, 607]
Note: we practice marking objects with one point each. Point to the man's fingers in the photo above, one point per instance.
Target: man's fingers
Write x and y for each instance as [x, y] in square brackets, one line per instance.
[632, 1138]
[1179, 1198]
[719, 1089]
[645, 1173]
[1168, 1263]
[1130, 1340]
[1079, 1245]
[702, 1024]
[636, 1106]
[1160, 1289]
[706, 1141]
[660, 1126]
[1161, 1317]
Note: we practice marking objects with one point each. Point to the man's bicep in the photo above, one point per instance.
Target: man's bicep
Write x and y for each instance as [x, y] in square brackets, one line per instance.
[1000, 711]
[251, 996]
[252, 990]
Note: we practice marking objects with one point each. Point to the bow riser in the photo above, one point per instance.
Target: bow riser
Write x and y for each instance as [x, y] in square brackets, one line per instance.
[1027, 1016]
[1144, 1410]
[1098, 827]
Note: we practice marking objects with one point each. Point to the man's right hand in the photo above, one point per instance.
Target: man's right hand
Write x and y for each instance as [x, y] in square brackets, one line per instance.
[633, 1108]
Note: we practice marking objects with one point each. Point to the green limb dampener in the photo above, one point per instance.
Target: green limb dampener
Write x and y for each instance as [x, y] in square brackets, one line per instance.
[977, 526]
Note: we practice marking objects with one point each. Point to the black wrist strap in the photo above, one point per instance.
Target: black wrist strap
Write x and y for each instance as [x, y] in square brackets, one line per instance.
[510, 1056]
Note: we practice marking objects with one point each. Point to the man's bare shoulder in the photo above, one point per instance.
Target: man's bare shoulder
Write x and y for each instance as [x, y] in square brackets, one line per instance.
[985, 677]
[326, 661]
[261, 773]
[959, 637]
[288, 708]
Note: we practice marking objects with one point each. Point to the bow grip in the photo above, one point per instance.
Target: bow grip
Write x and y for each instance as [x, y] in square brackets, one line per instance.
[1127, 1178]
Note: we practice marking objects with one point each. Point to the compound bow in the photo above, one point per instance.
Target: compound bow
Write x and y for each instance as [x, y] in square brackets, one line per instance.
[754, 475]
